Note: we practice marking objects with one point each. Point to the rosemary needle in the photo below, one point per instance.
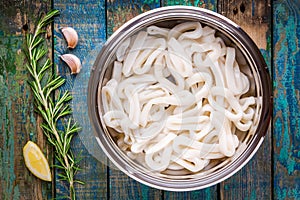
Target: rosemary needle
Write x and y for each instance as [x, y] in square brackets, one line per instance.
[43, 89]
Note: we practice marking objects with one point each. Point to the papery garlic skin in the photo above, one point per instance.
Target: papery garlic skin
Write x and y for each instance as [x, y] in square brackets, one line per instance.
[73, 62]
[71, 36]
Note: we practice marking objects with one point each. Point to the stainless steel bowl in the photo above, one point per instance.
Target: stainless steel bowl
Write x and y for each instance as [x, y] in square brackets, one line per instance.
[255, 68]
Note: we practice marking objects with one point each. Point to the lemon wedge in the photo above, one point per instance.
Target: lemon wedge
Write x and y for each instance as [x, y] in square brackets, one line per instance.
[36, 162]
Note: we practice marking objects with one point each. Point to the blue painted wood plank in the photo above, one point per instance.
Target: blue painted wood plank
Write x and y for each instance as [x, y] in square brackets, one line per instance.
[208, 4]
[254, 181]
[286, 121]
[88, 19]
[18, 122]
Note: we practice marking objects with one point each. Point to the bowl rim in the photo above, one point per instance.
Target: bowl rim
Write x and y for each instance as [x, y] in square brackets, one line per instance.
[225, 25]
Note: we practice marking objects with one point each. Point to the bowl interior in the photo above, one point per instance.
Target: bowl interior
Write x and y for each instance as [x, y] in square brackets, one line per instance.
[251, 64]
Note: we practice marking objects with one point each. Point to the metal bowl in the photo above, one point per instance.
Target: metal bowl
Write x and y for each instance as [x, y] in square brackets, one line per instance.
[251, 63]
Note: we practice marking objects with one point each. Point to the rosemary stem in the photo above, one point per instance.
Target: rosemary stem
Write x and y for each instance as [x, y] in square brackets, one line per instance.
[48, 108]
[45, 104]
[53, 126]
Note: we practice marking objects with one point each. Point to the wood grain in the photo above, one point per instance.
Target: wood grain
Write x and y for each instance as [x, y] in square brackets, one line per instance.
[88, 19]
[253, 16]
[208, 4]
[120, 11]
[254, 181]
[122, 186]
[18, 122]
[286, 121]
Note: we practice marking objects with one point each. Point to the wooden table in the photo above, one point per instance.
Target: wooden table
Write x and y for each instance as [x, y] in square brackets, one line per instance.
[273, 173]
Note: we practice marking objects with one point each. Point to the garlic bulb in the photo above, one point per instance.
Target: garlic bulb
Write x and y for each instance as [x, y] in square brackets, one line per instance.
[73, 62]
[71, 36]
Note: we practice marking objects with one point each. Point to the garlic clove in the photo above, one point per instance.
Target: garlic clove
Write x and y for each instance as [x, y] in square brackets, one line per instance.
[71, 36]
[73, 62]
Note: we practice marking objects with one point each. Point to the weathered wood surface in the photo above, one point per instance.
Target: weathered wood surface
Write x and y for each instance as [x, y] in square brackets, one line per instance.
[208, 4]
[253, 16]
[254, 181]
[18, 122]
[273, 173]
[286, 123]
[88, 19]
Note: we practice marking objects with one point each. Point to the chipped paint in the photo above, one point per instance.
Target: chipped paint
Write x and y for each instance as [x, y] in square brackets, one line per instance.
[16, 103]
[286, 101]
[7, 124]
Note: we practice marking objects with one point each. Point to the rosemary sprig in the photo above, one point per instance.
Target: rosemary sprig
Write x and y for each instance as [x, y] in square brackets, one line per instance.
[51, 111]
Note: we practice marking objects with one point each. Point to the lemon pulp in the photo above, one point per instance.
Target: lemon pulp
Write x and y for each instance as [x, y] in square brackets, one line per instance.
[36, 162]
